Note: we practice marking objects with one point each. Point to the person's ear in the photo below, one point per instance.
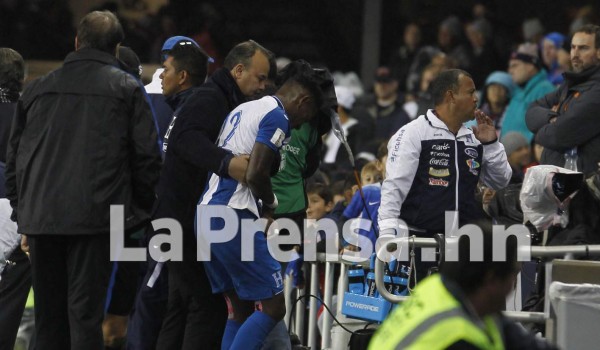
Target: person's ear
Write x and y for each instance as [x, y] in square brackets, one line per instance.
[304, 99]
[329, 206]
[183, 76]
[237, 71]
[76, 44]
[450, 95]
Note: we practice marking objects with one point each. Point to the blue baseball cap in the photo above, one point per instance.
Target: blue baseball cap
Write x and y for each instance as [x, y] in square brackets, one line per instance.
[179, 40]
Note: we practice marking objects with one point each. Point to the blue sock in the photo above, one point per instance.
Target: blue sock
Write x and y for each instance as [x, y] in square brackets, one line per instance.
[231, 330]
[253, 332]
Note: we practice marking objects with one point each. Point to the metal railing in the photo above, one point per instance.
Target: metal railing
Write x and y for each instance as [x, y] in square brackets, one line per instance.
[536, 251]
[330, 260]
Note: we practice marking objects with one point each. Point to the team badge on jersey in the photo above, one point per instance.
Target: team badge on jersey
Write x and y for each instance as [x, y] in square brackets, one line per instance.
[278, 138]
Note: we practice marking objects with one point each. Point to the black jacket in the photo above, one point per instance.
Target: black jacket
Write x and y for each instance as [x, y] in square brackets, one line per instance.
[191, 151]
[7, 111]
[578, 102]
[83, 139]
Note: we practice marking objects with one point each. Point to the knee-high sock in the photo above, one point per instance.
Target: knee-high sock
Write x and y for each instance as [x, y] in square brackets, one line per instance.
[231, 329]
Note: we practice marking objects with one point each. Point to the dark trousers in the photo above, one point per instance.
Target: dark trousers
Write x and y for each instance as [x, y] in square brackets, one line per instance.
[148, 311]
[123, 283]
[70, 280]
[195, 317]
[14, 288]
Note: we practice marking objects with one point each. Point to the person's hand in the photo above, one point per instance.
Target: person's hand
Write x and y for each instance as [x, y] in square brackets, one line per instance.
[553, 119]
[267, 213]
[24, 244]
[294, 270]
[237, 168]
[485, 130]
[555, 108]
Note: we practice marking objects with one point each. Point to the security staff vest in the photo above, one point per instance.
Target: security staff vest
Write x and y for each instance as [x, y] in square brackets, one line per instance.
[434, 319]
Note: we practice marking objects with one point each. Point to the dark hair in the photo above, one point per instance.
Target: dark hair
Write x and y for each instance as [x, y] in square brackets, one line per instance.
[100, 30]
[302, 73]
[243, 52]
[12, 69]
[446, 80]
[591, 29]
[191, 59]
[130, 60]
[320, 190]
[470, 275]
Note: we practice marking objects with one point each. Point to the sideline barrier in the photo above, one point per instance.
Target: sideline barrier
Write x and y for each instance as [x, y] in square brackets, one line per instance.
[566, 252]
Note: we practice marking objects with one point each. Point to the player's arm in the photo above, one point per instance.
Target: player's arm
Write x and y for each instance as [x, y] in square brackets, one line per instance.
[258, 176]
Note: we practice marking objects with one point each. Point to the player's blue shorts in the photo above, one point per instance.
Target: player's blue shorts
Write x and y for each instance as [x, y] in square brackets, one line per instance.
[252, 280]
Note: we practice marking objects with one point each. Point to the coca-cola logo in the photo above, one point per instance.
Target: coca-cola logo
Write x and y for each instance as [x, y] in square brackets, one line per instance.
[439, 162]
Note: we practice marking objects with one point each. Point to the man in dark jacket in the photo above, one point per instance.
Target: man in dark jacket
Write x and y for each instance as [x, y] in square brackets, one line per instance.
[15, 279]
[195, 317]
[82, 140]
[567, 120]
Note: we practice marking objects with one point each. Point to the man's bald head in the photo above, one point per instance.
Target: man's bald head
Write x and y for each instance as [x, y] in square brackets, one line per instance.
[100, 30]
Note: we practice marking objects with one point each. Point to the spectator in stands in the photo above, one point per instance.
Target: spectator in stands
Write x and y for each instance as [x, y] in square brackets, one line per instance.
[451, 39]
[336, 157]
[485, 58]
[108, 155]
[366, 207]
[551, 44]
[370, 173]
[320, 201]
[518, 154]
[533, 30]
[531, 82]
[567, 119]
[497, 93]
[460, 308]
[383, 110]
[403, 56]
[423, 99]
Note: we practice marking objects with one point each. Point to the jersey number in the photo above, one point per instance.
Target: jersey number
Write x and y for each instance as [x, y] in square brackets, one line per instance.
[235, 120]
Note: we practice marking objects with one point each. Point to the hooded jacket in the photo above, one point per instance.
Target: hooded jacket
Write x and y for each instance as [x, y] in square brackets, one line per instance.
[514, 115]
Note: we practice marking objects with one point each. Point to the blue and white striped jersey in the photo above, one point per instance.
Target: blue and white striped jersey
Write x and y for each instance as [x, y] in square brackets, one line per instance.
[261, 121]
